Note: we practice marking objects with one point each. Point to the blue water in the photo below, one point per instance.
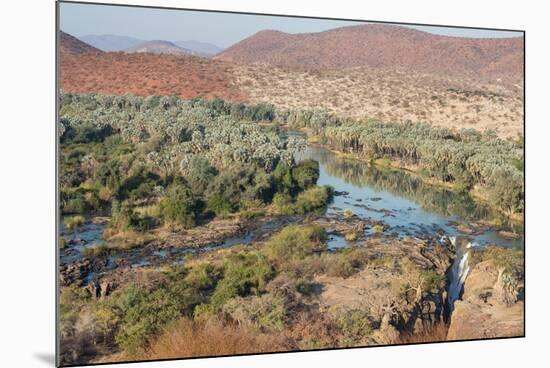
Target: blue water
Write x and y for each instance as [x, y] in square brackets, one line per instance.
[404, 215]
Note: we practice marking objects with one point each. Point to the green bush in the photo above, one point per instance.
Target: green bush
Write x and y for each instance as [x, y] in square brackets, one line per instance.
[305, 174]
[340, 266]
[354, 324]
[283, 203]
[266, 312]
[224, 193]
[204, 276]
[433, 281]
[244, 273]
[124, 218]
[312, 199]
[97, 251]
[296, 242]
[144, 315]
[201, 174]
[282, 176]
[378, 229]
[75, 205]
[74, 222]
[179, 207]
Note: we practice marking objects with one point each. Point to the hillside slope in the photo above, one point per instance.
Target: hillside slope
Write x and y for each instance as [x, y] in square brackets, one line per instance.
[70, 45]
[385, 46]
[160, 47]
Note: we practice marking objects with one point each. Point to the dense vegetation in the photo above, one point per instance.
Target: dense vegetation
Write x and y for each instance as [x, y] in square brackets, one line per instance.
[164, 161]
[266, 292]
[466, 158]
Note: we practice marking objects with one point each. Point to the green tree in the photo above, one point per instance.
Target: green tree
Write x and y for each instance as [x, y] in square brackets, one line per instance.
[179, 206]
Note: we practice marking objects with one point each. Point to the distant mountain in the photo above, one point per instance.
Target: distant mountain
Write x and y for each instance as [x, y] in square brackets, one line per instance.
[202, 47]
[386, 46]
[161, 47]
[111, 42]
[70, 45]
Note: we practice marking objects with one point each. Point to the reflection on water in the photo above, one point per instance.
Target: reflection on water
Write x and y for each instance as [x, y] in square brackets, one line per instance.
[400, 199]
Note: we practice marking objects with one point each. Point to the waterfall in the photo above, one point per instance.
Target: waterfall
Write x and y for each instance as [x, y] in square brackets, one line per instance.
[458, 272]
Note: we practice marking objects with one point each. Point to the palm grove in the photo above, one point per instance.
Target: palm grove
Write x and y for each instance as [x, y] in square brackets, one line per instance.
[150, 163]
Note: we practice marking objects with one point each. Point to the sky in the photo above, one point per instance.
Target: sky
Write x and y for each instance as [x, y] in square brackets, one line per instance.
[220, 29]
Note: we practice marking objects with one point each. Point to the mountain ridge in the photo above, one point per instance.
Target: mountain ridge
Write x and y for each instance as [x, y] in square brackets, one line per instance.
[377, 45]
[115, 43]
[70, 45]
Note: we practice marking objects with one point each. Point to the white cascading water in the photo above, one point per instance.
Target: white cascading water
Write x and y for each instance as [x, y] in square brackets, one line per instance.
[458, 273]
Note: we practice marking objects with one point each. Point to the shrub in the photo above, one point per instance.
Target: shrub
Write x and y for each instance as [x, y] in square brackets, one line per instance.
[305, 174]
[144, 315]
[105, 321]
[123, 217]
[433, 281]
[351, 236]
[347, 261]
[509, 259]
[201, 174]
[179, 207]
[306, 287]
[220, 205]
[75, 205]
[204, 312]
[85, 133]
[97, 251]
[74, 222]
[312, 199]
[71, 301]
[203, 276]
[244, 273]
[282, 176]
[296, 242]
[378, 229]
[354, 324]
[340, 266]
[283, 203]
[348, 213]
[266, 312]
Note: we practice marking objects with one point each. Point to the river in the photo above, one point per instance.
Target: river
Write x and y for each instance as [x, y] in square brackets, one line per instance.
[402, 200]
[398, 198]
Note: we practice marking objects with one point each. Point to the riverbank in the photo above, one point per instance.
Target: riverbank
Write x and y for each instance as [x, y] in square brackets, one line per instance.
[395, 164]
[310, 297]
[379, 290]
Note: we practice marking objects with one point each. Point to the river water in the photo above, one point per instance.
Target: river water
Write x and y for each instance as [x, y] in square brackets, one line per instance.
[400, 199]
[397, 198]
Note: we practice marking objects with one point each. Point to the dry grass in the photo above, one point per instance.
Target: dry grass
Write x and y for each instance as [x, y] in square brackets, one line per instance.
[192, 339]
[362, 92]
[437, 333]
[390, 95]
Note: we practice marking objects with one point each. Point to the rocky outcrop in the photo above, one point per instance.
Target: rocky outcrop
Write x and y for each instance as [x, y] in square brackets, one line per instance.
[394, 287]
[491, 305]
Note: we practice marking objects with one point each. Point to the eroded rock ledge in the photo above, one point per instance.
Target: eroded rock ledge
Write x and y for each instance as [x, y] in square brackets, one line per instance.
[491, 306]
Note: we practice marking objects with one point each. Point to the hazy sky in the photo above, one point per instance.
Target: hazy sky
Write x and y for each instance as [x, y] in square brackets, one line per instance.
[216, 28]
